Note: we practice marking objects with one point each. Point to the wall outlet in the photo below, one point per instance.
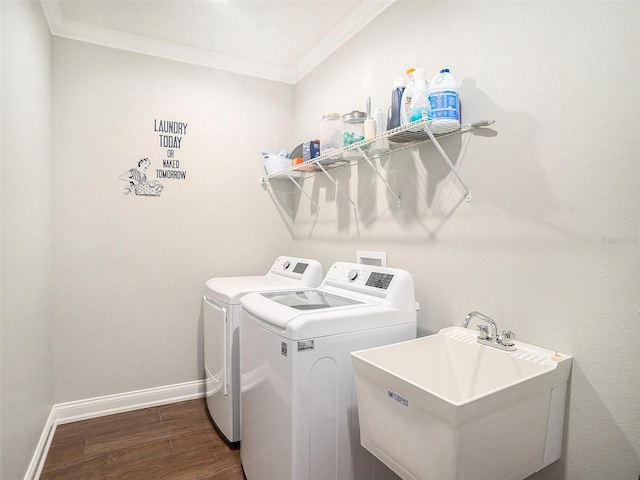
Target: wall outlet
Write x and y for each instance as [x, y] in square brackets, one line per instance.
[378, 259]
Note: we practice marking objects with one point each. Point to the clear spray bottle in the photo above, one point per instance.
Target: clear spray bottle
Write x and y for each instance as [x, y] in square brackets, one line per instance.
[420, 106]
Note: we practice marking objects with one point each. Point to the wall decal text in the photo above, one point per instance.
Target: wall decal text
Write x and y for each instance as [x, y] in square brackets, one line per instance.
[170, 135]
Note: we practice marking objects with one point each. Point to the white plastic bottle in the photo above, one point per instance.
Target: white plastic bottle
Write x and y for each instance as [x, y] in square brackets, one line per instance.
[420, 107]
[405, 107]
[445, 103]
[381, 127]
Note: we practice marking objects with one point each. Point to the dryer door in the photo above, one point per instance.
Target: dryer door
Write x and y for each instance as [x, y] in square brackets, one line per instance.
[215, 347]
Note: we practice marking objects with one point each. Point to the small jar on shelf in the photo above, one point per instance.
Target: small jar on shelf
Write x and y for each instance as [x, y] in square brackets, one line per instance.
[330, 133]
[353, 132]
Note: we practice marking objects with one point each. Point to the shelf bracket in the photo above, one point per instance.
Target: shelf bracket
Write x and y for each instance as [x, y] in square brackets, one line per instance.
[335, 183]
[446, 159]
[303, 191]
[381, 177]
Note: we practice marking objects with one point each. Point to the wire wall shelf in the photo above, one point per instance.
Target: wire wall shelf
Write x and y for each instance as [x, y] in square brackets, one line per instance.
[404, 137]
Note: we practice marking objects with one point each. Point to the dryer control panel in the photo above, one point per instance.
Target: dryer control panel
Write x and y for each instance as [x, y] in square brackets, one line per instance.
[307, 272]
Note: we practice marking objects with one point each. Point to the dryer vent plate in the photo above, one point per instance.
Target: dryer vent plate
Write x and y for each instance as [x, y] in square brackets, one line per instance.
[376, 259]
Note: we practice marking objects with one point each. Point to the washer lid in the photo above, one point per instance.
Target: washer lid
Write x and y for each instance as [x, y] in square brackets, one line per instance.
[300, 314]
[309, 299]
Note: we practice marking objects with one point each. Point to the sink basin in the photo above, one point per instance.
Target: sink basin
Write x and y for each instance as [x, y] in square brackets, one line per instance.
[444, 407]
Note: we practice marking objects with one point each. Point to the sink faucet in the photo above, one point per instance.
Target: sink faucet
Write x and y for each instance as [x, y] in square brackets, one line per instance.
[503, 342]
[494, 327]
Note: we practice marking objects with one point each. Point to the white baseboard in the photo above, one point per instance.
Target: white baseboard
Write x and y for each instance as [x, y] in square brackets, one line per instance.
[100, 406]
[125, 402]
[40, 455]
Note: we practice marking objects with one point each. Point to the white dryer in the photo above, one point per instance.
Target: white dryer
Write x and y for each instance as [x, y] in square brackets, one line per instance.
[221, 305]
[299, 411]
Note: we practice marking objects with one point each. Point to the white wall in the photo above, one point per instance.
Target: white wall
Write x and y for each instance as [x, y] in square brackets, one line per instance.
[130, 270]
[549, 245]
[26, 387]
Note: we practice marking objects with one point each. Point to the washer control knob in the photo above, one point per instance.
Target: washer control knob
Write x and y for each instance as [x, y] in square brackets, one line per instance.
[287, 264]
[353, 274]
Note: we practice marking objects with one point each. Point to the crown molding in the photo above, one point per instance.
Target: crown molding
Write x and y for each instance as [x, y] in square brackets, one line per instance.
[340, 35]
[61, 26]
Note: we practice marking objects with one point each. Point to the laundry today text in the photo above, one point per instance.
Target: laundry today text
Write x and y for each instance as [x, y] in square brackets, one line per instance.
[171, 132]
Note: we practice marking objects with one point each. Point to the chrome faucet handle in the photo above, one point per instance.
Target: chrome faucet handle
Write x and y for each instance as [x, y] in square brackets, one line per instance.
[483, 332]
[506, 338]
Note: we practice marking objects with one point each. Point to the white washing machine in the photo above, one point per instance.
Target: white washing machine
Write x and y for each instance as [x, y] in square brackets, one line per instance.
[221, 305]
[299, 411]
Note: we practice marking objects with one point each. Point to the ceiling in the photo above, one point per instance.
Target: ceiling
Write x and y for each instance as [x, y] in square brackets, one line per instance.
[277, 40]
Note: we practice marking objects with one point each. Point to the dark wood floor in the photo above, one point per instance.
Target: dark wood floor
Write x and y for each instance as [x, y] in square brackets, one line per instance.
[169, 442]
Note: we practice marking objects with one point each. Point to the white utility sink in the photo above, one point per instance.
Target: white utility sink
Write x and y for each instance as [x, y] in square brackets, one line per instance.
[444, 407]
